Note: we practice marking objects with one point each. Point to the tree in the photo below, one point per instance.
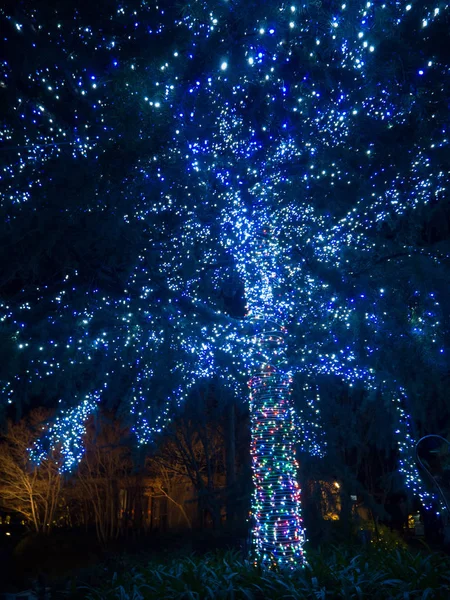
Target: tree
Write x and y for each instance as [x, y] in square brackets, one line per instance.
[193, 450]
[165, 478]
[104, 469]
[33, 491]
[280, 170]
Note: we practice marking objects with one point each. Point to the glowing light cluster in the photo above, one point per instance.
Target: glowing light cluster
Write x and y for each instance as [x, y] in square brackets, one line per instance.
[407, 448]
[66, 433]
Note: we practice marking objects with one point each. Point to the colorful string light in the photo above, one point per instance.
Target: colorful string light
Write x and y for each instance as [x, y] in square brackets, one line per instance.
[278, 534]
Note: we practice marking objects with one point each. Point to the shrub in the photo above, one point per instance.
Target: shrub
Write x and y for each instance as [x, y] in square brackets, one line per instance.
[374, 573]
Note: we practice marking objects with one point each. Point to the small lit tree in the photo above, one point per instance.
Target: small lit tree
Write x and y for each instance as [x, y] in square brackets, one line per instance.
[30, 490]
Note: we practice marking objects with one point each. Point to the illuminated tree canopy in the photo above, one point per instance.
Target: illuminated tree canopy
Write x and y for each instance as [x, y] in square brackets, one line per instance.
[173, 175]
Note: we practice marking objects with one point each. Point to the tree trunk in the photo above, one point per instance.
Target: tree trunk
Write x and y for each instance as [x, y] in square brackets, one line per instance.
[277, 525]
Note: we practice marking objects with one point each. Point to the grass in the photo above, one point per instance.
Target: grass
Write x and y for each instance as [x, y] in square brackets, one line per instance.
[372, 573]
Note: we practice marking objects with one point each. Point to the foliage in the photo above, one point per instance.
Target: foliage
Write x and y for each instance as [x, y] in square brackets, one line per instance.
[336, 573]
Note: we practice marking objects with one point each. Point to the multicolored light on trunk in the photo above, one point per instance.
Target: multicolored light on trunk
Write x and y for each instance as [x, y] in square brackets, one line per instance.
[278, 534]
[277, 530]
